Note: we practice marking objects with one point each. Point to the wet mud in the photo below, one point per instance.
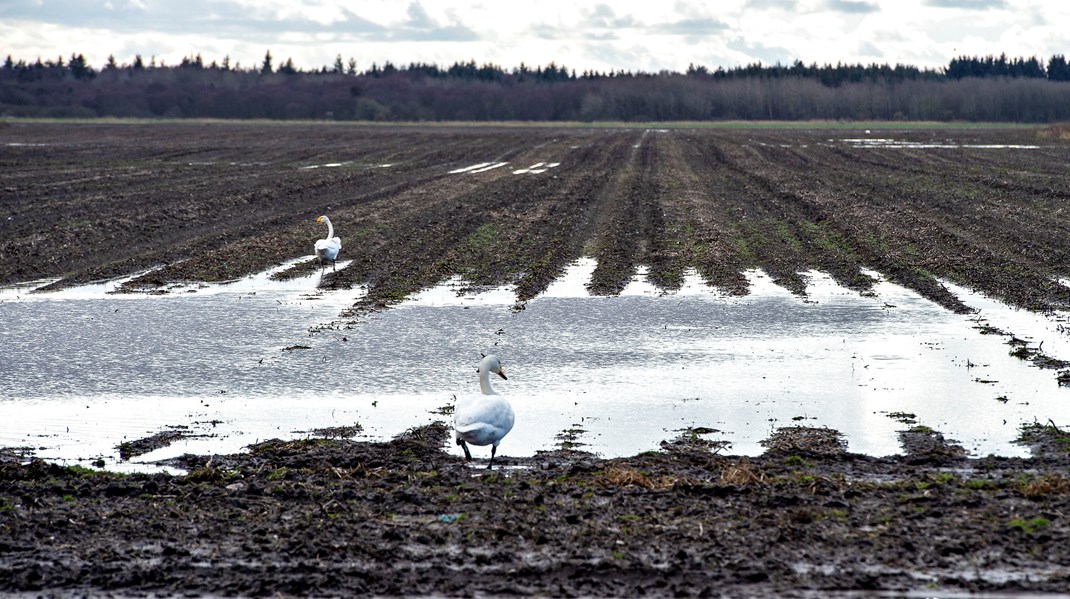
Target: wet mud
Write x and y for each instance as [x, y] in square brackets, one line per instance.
[331, 516]
[217, 201]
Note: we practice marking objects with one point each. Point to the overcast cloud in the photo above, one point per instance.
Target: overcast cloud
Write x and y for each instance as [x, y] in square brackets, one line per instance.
[603, 36]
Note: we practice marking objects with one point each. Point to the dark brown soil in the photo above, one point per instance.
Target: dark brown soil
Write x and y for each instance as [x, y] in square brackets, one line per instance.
[216, 201]
[330, 517]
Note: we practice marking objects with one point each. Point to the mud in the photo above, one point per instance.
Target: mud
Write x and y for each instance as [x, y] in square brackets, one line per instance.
[330, 517]
[215, 201]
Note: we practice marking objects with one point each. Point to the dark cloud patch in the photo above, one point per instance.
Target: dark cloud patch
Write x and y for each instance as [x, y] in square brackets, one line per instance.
[419, 19]
[968, 4]
[71, 13]
[356, 24]
[852, 6]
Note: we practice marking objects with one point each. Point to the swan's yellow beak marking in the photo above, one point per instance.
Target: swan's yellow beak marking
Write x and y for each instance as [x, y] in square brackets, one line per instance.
[319, 219]
[501, 373]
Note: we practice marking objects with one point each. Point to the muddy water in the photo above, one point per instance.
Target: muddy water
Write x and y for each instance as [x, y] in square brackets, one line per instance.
[83, 370]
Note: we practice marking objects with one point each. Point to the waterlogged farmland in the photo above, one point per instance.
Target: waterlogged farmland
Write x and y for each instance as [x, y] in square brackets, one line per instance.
[214, 201]
[223, 366]
[795, 362]
[947, 217]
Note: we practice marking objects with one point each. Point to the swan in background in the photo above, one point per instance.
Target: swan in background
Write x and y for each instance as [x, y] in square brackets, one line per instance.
[483, 419]
[327, 248]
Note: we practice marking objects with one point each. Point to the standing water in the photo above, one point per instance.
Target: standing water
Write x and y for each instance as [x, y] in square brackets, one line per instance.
[83, 370]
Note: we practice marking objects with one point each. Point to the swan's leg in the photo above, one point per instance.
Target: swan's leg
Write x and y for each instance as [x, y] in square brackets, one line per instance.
[334, 265]
[493, 450]
[464, 446]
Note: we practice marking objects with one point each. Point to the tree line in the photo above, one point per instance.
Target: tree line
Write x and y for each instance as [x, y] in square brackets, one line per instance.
[970, 88]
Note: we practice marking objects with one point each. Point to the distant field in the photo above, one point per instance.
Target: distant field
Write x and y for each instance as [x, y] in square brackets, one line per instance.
[979, 204]
[892, 125]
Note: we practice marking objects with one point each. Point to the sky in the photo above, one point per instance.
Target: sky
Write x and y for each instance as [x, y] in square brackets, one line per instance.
[647, 35]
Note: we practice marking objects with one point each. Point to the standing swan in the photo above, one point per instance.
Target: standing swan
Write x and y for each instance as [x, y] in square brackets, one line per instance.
[485, 418]
[327, 248]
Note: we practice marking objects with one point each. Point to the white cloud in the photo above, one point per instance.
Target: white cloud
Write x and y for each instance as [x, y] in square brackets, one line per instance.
[968, 4]
[852, 6]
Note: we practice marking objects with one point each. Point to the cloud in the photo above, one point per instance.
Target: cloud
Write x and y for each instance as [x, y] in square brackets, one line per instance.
[600, 24]
[852, 6]
[869, 49]
[210, 17]
[62, 12]
[701, 26]
[784, 5]
[418, 17]
[968, 4]
[422, 27]
[758, 52]
[603, 16]
[609, 54]
[546, 31]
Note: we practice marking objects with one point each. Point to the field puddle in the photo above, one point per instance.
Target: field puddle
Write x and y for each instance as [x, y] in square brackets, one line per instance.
[482, 167]
[884, 142]
[84, 370]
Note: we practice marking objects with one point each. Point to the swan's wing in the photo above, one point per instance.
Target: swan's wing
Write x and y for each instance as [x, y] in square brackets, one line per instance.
[328, 248]
[483, 419]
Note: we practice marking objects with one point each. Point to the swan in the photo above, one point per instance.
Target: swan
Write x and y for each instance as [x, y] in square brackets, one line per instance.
[483, 419]
[327, 248]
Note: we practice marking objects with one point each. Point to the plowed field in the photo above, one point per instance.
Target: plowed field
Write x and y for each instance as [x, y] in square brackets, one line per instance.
[215, 201]
[177, 202]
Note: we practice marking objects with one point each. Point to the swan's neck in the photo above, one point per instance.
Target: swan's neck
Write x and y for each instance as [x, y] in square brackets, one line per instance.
[484, 383]
[330, 228]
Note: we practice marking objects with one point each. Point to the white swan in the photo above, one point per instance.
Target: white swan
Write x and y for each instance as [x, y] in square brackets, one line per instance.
[485, 418]
[327, 248]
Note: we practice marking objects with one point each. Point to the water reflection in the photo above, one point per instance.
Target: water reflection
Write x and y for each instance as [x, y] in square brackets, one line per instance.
[85, 370]
[877, 142]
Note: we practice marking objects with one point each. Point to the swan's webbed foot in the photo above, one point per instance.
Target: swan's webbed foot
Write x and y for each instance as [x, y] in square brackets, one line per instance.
[464, 446]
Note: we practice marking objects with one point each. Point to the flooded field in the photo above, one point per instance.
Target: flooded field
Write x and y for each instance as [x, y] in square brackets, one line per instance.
[705, 312]
[230, 365]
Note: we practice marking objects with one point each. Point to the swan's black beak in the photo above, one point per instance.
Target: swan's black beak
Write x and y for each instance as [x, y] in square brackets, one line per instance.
[501, 373]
